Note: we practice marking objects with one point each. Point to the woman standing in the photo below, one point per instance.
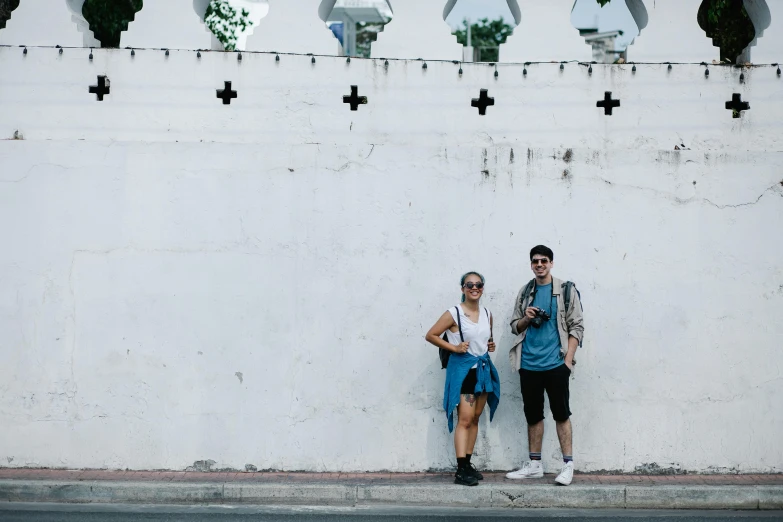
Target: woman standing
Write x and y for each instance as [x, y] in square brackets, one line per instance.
[471, 378]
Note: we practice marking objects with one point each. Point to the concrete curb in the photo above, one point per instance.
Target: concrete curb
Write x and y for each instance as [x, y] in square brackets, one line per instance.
[491, 495]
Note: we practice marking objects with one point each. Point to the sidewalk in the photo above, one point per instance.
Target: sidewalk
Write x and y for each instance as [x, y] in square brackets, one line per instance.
[357, 489]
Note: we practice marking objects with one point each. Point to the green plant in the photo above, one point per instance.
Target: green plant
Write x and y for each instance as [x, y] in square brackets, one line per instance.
[226, 23]
[109, 18]
[366, 34]
[728, 24]
[487, 35]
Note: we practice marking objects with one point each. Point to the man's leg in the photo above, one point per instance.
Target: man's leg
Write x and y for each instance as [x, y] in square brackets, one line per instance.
[564, 434]
[535, 437]
[557, 389]
[556, 383]
[532, 385]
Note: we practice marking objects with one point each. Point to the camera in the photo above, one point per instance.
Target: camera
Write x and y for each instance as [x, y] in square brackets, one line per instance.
[540, 318]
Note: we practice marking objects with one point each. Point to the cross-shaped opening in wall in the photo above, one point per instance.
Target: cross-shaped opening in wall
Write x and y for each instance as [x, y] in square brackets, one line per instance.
[736, 105]
[226, 94]
[354, 99]
[608, 103]
[101, 89]
[482, 102]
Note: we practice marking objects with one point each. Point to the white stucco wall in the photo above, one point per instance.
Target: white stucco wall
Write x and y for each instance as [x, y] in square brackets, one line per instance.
[158, 244]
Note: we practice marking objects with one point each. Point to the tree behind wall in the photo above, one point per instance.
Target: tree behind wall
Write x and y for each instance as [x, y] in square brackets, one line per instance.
[486, 35]
[109, 18]
[727, 23]
[6, 6]
[226, 23]
[366, 34]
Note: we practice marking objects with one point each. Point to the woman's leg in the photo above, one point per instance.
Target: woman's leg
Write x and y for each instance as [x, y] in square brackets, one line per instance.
[465, 413]
[481, 401]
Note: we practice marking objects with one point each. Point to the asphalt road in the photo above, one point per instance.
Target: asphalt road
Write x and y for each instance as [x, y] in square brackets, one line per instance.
[12, 512]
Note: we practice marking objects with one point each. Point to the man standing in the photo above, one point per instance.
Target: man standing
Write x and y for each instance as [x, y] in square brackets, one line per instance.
[547, 321]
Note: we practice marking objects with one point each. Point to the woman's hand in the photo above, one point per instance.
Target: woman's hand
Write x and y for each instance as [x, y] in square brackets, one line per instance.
[462, 347]
[491, 345]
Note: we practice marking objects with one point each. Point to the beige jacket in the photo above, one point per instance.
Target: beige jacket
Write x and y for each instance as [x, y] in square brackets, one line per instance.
[569, 322]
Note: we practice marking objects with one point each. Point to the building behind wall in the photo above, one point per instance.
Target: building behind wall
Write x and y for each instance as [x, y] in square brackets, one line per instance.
[604, 45]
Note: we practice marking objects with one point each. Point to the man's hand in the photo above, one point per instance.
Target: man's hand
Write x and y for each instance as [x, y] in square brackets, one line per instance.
[569, 362]
[462, 347]
[524, 321]
[491, 345]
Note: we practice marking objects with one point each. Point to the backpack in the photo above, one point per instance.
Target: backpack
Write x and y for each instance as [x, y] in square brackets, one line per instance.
[445, 354]
[567, 288]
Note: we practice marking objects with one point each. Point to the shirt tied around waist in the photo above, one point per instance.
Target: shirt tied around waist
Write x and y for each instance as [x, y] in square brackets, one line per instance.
[487, 381]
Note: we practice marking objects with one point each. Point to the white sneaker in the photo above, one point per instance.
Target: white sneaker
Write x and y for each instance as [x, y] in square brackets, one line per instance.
[530, 469]
[566, 475]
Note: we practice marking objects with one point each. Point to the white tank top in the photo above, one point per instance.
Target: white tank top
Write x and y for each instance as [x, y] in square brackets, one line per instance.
[476, 334]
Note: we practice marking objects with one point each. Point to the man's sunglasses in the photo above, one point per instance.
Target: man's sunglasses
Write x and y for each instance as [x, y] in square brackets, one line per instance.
[537, 261]
[470, 286]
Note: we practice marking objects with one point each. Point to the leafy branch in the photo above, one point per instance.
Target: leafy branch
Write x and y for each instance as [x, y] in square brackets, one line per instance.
[226, 23]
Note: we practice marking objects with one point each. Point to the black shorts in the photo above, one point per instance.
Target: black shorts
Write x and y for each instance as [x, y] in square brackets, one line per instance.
[555, 383]
[469, 384]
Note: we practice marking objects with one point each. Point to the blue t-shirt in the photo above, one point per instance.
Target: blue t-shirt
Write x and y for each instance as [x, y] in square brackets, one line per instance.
[541, 347]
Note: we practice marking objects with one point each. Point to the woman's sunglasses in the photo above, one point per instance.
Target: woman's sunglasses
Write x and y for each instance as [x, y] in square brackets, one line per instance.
[470, 286]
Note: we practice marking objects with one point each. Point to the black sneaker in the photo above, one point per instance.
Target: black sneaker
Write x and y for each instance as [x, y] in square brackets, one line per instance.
[464, 477]
[473, 471]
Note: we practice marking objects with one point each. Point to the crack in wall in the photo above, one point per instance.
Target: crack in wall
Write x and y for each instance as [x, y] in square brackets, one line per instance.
[773, 188]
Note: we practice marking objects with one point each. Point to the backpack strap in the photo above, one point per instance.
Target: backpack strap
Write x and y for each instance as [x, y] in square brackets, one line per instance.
[530, 289]
[567, 286]
[459, 325]
[489, 318]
